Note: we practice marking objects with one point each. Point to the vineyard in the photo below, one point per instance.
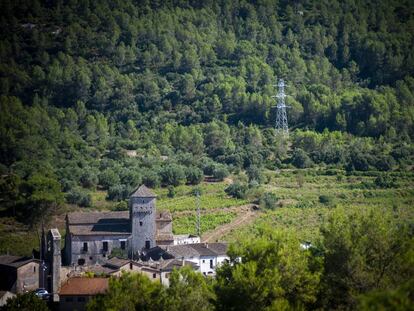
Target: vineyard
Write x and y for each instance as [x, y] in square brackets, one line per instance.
[307, 197]
[304, 200]
[212, 196]
[210, 221]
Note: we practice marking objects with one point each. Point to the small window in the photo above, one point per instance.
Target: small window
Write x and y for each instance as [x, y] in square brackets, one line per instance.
[211, 263]
[130, 266]
[123, 246]
[140, 223]
[85, 246]
[154, 275]
[34, 269]
[90, 258]
[105, 246]
[81, 299]
[81, 261]
[69, 299]
[147, 244]
[204, 261]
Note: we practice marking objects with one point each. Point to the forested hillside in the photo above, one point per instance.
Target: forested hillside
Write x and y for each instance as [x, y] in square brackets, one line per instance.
[188, 86]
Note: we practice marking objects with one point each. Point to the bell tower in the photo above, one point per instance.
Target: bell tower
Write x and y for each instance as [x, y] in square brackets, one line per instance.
[142, 218]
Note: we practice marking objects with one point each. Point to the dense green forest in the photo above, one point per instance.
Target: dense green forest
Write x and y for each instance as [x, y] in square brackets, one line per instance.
[188, 85]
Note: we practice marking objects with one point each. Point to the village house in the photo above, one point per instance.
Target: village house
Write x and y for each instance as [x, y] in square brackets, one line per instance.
[167, 266]
[207, 256]
[19, 274]
[78, 291]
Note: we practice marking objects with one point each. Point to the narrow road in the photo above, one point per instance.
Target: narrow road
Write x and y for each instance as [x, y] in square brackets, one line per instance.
[246, 215]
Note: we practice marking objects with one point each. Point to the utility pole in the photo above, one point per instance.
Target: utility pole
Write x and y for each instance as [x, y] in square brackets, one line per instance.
[281, 124]
[198, 225]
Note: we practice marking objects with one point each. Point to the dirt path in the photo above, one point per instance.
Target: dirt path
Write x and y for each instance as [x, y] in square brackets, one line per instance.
[246, 215]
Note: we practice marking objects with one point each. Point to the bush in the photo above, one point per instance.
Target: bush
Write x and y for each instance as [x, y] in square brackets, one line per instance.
[89, 179]
[118, 193]
[255, 174]
[151, 179]
[237, 190]
[193, 175]
[300, 159]
[384, 181]
[79, 197]
[172, 174]
[220, 172]
[325, 199]
[108, 178]
[121, 206]
[171, 192]
[268, 200]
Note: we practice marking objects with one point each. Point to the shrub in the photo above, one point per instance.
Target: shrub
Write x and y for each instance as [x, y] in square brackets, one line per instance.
[118, 193]
[121, 206]
[325, 199]
[79, 197]
[171, 192]
[384, 181]
[193, 175]
[301, 159]
[151, 179]
[108, 178]
[236, 190]
[220, 172]
[172, 174]
[268, 200]
[89, 179]
[255, 174]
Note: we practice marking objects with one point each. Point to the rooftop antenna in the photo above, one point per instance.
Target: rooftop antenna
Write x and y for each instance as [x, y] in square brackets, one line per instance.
[281, 124]
[198, 225]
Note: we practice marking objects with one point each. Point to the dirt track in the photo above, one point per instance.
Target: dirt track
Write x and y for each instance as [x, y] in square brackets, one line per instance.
[246, 214]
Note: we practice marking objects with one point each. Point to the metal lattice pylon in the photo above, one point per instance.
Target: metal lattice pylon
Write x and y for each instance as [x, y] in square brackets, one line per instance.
[281, 124]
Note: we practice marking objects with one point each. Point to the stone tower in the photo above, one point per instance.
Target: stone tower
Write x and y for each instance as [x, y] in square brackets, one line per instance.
[142, 216]
[53, 256]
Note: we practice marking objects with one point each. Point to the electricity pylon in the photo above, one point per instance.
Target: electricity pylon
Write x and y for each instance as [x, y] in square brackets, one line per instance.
[281, 124]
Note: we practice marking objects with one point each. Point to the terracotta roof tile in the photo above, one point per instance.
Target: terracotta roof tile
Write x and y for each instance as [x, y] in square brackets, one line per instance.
[85, 286]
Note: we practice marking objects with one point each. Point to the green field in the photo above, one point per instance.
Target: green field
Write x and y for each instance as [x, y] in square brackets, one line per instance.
[300, 207]
[305, 199]
[187, 224]
[212, 197]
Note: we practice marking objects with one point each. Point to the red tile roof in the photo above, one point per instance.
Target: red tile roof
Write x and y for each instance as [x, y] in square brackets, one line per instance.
[85, 286]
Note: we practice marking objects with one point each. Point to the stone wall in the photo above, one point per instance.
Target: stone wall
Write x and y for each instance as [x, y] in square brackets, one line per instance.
[95, 252]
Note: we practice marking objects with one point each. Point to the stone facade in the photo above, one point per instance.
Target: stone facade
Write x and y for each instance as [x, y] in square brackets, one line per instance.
[143, 227]
[18, 274]
[91, 237]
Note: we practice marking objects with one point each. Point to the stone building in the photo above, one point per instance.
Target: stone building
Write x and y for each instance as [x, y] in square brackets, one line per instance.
[92, 236]
[19, 274]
